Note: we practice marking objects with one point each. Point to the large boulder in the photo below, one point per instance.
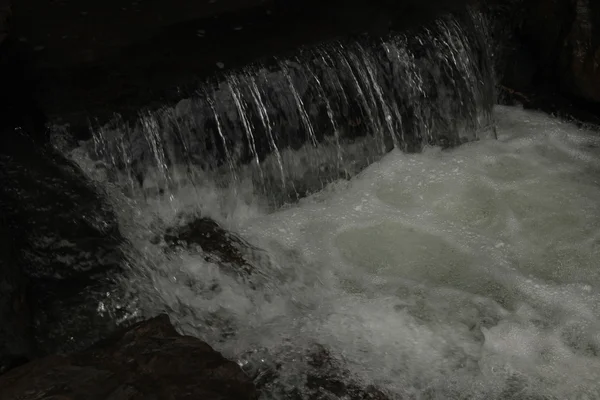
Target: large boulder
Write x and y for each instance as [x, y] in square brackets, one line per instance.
[323, 377]
[59, 244]
[60, 253]
[555, 49]
[148, 361]
[15, 316]
[214, 243]
[328, 380]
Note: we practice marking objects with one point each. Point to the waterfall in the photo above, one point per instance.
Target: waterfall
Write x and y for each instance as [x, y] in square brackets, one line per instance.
[314, 218]
[342, 104]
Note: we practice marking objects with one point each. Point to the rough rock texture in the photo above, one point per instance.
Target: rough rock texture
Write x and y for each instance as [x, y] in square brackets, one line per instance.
[581, 55]
[328, 380]
[59, 254]
[555, 52]
[59, 244]
[324, 378]
[148, 361]
[216, 244]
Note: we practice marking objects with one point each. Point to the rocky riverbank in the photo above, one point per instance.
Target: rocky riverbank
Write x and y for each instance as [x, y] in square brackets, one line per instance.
[150, 360]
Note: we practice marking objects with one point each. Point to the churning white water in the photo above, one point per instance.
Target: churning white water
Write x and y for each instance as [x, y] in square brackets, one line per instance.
[472, 273]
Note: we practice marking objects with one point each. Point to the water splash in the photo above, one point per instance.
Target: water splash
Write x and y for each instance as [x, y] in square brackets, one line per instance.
[463, 274]
[470, 273]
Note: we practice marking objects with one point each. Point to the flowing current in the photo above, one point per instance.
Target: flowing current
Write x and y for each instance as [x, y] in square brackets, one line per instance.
[468, 273]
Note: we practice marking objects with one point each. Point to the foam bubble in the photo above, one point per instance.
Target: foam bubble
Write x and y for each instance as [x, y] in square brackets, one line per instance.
[470, 273]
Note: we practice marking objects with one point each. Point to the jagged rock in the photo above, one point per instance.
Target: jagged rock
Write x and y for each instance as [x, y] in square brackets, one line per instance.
[59, 245]
[329, 381]
[581, 54]
[555, 47]
[578, 112]
[60, 252]
[15, 315]
[324, 378]
[216, 244]
[148, 361]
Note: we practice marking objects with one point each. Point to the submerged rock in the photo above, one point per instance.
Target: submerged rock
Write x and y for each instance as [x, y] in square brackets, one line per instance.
[324, 377]
[328, 381]
[148, 361]
[216, 244]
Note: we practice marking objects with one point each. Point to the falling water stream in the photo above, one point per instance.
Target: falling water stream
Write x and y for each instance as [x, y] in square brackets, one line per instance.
[293, 125]
[427, 272]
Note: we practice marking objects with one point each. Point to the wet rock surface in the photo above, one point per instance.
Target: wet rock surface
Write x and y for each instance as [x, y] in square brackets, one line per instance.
[150, 360]
[554, 51]
[215, 243]
[60, 252]
[60, 246]
[580, 58]
[324, 378]
[580, 112]
[328, 381]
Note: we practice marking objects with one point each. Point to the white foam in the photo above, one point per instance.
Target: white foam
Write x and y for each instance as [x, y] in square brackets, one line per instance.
[471, 273]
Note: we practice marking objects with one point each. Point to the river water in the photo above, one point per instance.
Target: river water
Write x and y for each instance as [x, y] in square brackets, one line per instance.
[450, 274]
[454, 273]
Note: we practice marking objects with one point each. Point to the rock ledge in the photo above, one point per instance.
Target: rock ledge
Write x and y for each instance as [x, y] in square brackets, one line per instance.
[150, 360]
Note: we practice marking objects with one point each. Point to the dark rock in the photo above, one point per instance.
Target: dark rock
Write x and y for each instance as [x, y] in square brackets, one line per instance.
[5, 13]
[216, 244]
[577, 111]
[580, 58]
[543, 32]
[60, 252]
[324, 378]
[554, 49]
[15, 315]
[59, 244]
[148, 361]
[328, 381]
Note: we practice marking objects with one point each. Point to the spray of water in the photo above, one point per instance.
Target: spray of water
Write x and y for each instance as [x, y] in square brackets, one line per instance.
[432, 87]
[466, 273]
[470, 273]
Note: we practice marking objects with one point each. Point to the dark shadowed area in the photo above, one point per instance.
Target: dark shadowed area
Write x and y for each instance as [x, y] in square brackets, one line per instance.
[102, 57]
